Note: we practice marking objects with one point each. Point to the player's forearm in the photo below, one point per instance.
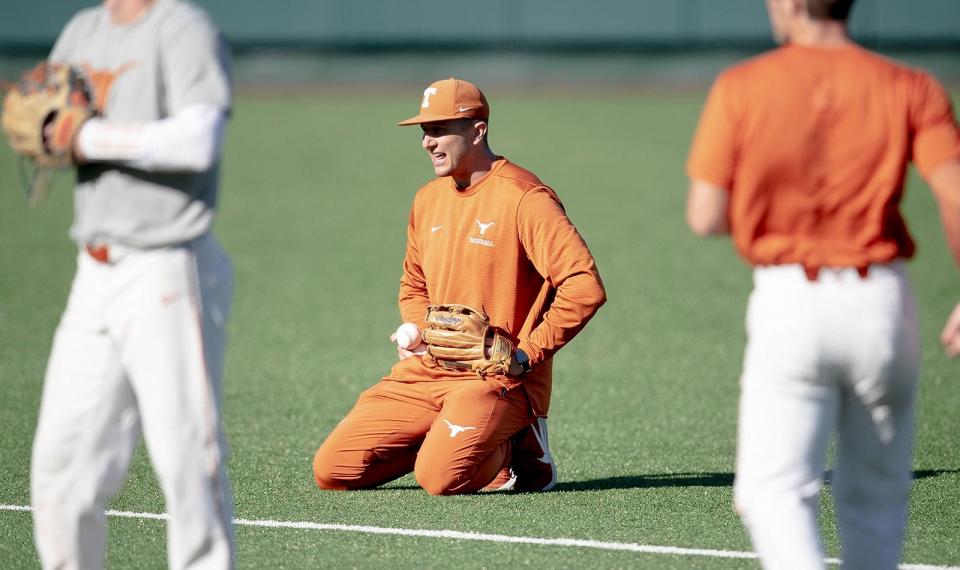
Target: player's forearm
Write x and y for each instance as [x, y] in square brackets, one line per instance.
[413, 301]
[952, 233]
[413, 310]
[707, 209]
[190, 141]
[576, 301]
[945, 183]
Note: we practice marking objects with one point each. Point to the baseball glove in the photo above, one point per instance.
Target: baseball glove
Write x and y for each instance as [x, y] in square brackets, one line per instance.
[461, 338]
[43, 113]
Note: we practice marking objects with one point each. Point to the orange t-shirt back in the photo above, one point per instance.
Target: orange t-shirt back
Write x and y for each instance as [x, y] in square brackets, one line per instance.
[813, 144]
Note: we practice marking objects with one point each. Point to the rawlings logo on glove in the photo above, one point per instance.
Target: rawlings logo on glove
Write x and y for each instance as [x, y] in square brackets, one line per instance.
[461, 338]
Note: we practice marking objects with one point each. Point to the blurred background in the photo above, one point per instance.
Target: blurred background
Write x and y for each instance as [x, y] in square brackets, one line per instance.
[555, 43]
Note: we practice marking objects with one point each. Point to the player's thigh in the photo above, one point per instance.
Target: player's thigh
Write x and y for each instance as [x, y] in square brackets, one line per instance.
[476, 420]
[164, 351]
[875, 434]
[883, 341]
[388, 418]
[789, 399]
[88, 424]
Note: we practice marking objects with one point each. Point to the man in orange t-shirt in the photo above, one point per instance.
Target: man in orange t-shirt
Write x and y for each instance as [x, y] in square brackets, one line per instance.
[490, 235]
[801, 154]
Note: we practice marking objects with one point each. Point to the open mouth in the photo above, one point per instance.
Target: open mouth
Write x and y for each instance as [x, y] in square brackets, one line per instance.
[438, 157]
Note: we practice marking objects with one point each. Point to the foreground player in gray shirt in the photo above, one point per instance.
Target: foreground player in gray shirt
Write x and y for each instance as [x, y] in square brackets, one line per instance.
[140, 345]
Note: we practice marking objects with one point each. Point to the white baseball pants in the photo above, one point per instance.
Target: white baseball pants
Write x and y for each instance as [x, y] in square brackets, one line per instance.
[839, 355]
[140, 347]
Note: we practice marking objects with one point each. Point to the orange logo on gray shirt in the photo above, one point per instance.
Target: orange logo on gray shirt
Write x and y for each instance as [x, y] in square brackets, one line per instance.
[101, 80]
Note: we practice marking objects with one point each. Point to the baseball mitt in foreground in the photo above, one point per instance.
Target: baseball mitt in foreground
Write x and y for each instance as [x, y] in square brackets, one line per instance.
[461, 338]
[44, 111]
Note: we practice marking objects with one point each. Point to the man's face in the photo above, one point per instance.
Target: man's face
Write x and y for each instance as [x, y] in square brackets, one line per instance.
[450, 144]
[123, 12]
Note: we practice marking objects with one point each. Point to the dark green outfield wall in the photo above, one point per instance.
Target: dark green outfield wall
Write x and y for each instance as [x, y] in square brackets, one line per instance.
[373, 24]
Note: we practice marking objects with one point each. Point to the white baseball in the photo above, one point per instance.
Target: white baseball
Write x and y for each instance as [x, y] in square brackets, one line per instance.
[408, 336]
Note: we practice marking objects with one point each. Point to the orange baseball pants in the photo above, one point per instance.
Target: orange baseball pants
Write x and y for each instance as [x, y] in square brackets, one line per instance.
[453, 434]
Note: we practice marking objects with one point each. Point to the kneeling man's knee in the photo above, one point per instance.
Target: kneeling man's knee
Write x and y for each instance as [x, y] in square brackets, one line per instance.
[327, 476]
[444, 481]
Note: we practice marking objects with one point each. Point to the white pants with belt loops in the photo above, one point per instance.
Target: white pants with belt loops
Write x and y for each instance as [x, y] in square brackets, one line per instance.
[839, 355]
[139, 348]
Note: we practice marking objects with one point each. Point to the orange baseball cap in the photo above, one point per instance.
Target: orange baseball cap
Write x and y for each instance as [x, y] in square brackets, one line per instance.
[450, 99]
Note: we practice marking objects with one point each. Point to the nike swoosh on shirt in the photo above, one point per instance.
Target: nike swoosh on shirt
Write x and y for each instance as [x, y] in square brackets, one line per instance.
[435, 229]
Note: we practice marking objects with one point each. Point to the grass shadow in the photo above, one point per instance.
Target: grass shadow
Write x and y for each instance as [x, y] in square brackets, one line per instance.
[917, 475]
[693, 480]
[649, 481]
[927, 473]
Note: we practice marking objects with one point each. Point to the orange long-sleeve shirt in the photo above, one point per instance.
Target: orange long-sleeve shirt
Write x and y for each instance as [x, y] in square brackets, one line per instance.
[813, 144]
[504, 246]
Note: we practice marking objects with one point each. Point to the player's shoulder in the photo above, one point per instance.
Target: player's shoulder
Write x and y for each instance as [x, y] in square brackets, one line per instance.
[516, 175]
[89, 13]
[77, 31]
[526, 187]
[784, 59]
[87, 18]
[915, 83]
[757, 68]
[514, 182]
[178, 15]
[905, 72]
[868, 60]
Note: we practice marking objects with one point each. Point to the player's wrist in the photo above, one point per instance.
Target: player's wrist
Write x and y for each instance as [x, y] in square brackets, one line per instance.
[520, 363]
[76, 146]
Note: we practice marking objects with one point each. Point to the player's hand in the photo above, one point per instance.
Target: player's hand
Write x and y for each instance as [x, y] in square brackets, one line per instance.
[950, 337]
[78, 156]
[404, 353]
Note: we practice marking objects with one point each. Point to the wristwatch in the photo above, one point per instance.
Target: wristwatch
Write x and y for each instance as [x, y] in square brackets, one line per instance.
[523, 360]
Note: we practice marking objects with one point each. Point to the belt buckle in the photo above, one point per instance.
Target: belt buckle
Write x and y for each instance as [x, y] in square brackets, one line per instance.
[100, 252]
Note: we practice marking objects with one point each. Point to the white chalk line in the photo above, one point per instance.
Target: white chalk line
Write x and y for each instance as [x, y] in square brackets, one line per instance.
[483, 537]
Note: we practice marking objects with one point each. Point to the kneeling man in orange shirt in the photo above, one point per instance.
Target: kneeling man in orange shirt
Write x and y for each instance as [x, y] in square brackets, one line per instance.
[490, 236]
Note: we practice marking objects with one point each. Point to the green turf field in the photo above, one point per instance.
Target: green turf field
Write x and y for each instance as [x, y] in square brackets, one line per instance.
[314, 205]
